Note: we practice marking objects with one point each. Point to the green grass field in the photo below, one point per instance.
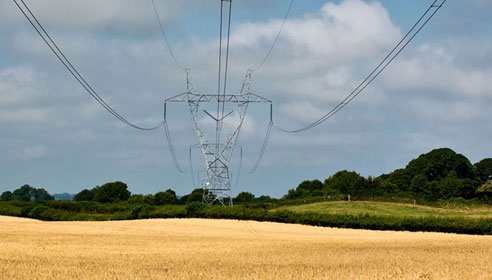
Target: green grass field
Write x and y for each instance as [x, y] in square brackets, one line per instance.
[391, 209]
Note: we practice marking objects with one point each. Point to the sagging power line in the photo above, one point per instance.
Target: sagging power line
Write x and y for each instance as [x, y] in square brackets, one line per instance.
[72, 69]
[270, 50]
[402, 44]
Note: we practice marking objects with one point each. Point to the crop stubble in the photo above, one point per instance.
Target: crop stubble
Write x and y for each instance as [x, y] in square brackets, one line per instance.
[223, 249]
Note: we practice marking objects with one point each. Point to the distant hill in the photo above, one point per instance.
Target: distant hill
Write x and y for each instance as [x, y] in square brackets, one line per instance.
[63, 196]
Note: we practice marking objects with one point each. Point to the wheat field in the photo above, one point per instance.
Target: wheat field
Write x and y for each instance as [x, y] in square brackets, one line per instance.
[224, 249]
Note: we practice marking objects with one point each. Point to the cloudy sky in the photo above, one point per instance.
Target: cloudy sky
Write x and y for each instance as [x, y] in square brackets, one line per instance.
[53, 135]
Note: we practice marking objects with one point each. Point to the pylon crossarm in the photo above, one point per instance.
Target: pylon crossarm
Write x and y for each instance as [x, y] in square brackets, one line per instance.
[183, 97]
[228, 98]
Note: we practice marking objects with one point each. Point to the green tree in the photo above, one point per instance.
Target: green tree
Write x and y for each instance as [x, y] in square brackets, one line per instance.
[401, 178]
[347, 183]
[85, 195]
[484, 169]
[485, 191]
[469, 188]
[166, 198]
[41, 194]
[6, 196]
[244, 197]
[24, 193]
[311, 186]
[195, 209]
[195, 196]
[306, 189]
[438, 163]
[149, 199]
[265, 198]
[387, 187]
[419, 185]
[142, 199]
[37, 211]
[112, 192]
[450, 186]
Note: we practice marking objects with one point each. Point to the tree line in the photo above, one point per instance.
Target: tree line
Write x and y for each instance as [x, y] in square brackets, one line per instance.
[439, 174]
[26, 193]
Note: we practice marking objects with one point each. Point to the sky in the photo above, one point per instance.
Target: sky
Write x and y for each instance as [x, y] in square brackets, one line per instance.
[53, 135]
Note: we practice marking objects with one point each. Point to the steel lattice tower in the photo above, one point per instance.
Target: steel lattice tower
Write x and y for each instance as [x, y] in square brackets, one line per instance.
[217, 154]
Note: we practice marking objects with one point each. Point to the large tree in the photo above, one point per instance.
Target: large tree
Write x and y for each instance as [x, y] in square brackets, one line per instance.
[24, 193]
[435, 166]
[85, 195]
[347, 182]
[195, 196]
[112, 192]
[6, 196]
[165, 198]
[438, 163]
[484, 169]
[244, 197]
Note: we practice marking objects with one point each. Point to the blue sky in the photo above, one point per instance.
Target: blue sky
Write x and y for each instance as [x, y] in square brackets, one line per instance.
[53, 135]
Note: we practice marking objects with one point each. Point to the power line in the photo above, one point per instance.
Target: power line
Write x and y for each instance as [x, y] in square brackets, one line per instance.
[240, 166]
[71, 68]
[171, 147]
[379, 69]
[165, 37]
[227, 56]
[276, 38]
[263, 148]
[191, 169]
[220, 67]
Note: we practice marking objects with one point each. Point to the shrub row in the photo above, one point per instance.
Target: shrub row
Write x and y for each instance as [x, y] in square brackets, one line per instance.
[68, 212]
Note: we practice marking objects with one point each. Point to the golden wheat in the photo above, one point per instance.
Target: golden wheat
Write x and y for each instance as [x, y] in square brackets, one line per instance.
[221, 249]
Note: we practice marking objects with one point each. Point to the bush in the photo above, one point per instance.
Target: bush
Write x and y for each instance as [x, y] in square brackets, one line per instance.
[7, 209]
[485, 191]
[37, 211]
[142, 211]
[195, 210]
[66, 205]
[26, 210]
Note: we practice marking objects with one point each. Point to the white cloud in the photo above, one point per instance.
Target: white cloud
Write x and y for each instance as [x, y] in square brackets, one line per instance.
[434, 68]
[34, 152]
[337, 34]
[432, 93]
[94, 15]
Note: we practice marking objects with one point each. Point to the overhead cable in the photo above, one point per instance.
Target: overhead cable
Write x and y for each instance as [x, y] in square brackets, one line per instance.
[70, 67]
[171, 147]
[217, 129]
[191, 169]
[276, 38]
[240, 166]
[263, 148]
[402, 44]
[165, 37]
[227, 56]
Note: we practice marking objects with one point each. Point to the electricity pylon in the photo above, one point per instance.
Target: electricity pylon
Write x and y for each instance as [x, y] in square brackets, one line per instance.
[217, 154]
